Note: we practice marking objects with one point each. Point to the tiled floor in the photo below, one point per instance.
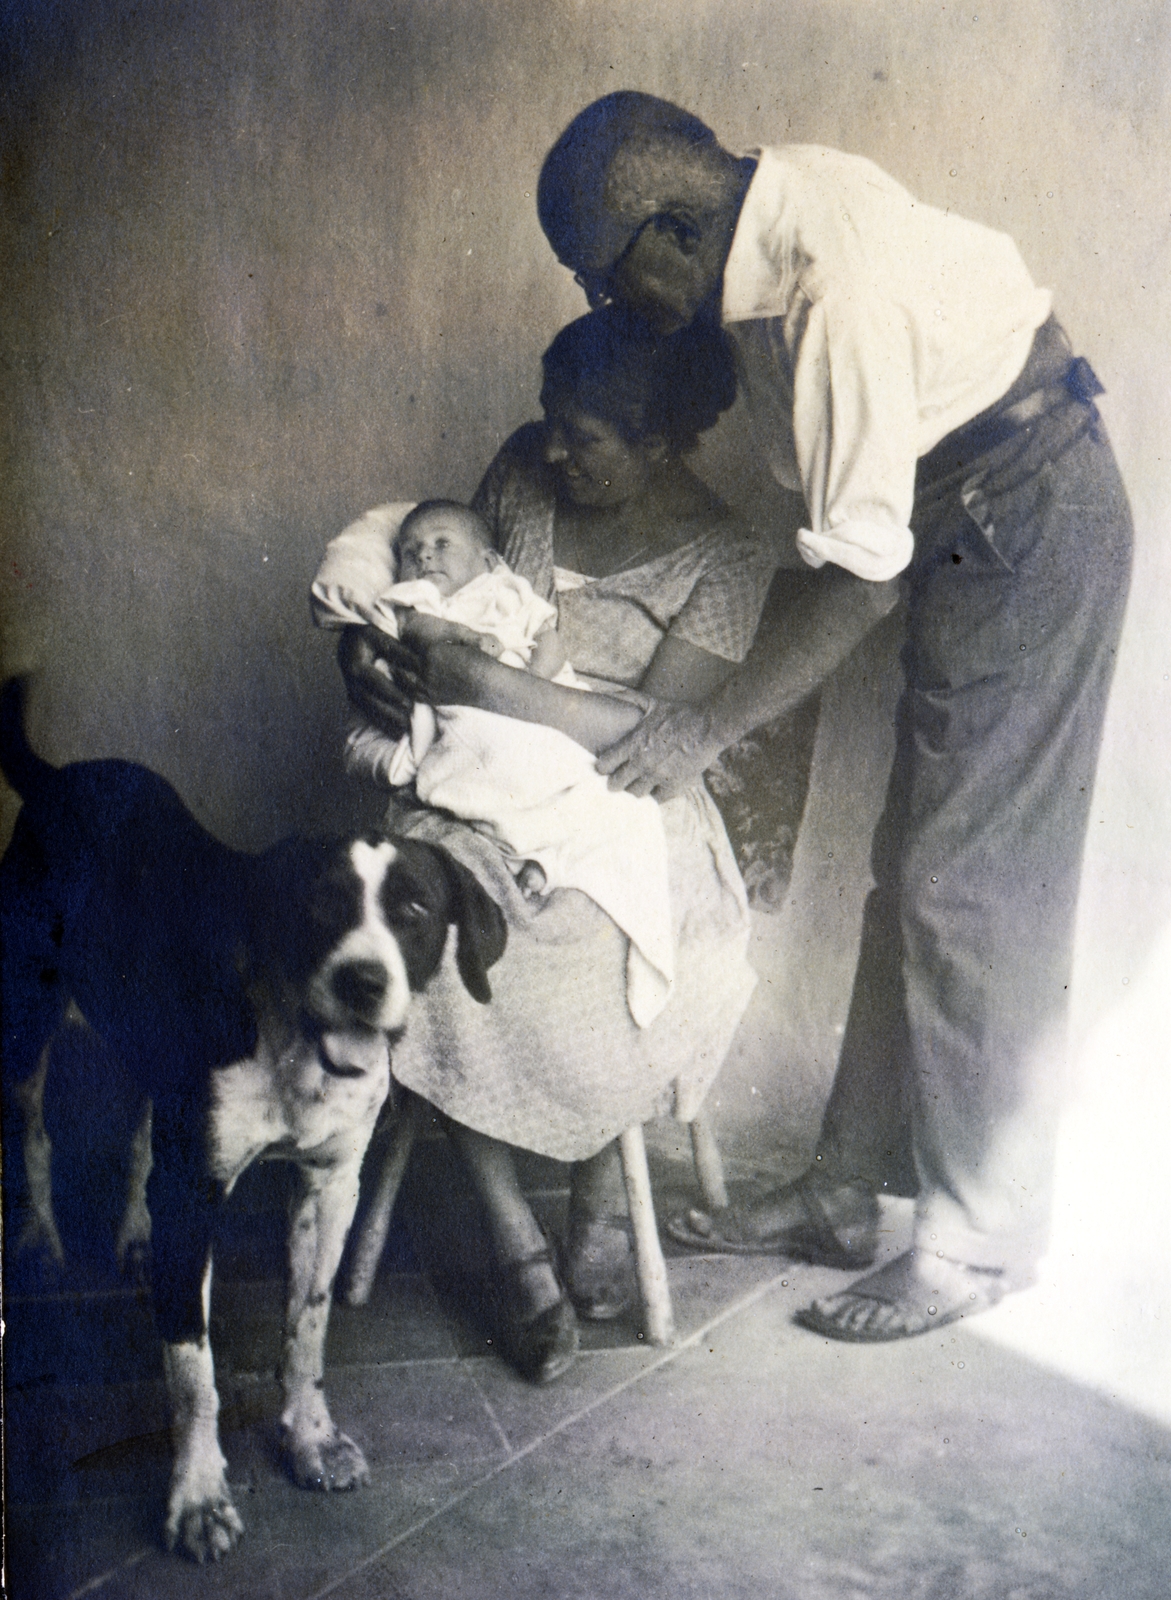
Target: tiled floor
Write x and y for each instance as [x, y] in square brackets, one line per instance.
[751, 1459]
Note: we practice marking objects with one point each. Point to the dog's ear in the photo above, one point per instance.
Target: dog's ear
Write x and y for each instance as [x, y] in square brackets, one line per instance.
[481, 931]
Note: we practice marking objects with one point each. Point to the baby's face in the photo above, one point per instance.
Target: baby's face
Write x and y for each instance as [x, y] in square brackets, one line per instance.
[444, 550]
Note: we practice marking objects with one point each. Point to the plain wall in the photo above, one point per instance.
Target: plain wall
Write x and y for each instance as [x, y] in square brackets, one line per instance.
[271, 263]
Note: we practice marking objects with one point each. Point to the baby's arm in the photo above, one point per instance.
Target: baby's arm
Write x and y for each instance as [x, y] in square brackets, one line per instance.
[415, 625]
[548, 656]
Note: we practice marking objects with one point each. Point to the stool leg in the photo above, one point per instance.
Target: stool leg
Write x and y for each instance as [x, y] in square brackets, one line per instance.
[709, 1169]
[659, 1324]
[372, 1239]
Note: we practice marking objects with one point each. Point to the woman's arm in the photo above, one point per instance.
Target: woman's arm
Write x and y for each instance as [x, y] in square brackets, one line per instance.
[674, 744]
[455, 676]
[681, 673]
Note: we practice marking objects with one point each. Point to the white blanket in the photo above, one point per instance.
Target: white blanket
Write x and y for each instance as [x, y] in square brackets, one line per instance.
[533, 789]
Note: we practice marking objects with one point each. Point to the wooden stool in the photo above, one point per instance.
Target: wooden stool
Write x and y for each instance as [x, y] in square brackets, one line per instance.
[651, 1269]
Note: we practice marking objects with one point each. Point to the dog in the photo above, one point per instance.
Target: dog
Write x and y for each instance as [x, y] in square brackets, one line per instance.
[252, 1000]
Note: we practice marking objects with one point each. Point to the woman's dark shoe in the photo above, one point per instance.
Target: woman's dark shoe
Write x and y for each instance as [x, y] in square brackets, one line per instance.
[599, 1266]
[543, 1345]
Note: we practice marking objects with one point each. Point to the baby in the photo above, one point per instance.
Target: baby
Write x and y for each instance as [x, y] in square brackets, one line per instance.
[432, 573]
[449, 574]
[447, 546]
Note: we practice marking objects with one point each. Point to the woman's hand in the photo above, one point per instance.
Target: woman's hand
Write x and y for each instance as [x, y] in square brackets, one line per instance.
[667, 752]
[384, 695]
[417, 628]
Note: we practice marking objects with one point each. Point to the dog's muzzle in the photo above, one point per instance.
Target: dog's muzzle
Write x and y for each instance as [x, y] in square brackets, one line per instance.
[360, 986]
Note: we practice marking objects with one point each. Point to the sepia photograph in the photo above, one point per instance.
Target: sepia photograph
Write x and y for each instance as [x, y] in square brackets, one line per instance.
[585, 710]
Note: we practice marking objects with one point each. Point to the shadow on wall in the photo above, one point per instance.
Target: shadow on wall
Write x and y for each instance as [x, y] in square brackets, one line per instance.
[269, 265]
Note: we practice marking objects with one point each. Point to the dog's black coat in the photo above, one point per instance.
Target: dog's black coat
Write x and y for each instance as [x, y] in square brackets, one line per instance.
[190, 959]
[114, 897]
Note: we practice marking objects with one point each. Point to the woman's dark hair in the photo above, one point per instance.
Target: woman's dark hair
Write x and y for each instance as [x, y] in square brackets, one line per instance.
[614, 365]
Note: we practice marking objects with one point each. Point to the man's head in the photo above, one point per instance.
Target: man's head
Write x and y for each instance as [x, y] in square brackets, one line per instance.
[444, 542]
[640, 202]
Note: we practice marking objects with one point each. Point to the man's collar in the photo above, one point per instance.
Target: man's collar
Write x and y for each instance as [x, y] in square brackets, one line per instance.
[751, 287]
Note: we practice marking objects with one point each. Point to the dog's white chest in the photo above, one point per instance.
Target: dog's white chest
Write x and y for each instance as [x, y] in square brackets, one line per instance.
[287, 1103]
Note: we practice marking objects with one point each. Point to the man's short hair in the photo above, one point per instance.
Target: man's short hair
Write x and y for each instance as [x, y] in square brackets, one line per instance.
[571, 191]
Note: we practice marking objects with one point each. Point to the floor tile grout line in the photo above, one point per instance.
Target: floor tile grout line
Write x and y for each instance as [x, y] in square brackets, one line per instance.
[272, 1281]
[91, 1585]
[428, 1276]
[492, 1417]
[259, 1377]
[669, 1355]
[275, 1284]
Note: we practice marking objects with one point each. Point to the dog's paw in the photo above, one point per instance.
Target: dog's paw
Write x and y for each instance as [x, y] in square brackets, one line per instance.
[40, 1242]
[205, 1530]
[331, 1463]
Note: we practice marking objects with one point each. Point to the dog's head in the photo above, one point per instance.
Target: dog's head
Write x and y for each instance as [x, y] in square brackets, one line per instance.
[357, 927]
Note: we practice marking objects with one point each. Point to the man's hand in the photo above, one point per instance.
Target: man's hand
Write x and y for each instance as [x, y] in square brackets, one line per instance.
[668, 751]
[383, 695]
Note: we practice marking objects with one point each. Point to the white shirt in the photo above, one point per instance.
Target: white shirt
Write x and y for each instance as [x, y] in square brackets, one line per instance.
[868, 326]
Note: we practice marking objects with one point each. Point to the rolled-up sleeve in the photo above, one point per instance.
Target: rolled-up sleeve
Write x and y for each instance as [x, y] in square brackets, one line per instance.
[868, 326]
[855, 426]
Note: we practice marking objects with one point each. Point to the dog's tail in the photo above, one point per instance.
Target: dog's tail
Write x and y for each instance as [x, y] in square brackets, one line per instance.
[22, 767]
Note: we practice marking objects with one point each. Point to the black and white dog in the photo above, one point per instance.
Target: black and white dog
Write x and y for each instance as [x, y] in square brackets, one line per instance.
[251, 999]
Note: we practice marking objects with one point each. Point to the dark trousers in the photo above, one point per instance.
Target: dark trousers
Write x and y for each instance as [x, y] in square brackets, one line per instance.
[950, 1072]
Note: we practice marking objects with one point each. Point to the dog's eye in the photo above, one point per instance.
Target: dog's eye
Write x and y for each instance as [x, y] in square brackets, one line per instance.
[410, 910]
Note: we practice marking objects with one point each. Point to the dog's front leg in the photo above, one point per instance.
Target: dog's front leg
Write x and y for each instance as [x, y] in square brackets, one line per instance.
[321, 1456]
[200, 1514]
[201, 1518]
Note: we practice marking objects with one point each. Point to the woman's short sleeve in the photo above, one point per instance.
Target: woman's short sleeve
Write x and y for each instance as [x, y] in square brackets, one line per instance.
[721, 613]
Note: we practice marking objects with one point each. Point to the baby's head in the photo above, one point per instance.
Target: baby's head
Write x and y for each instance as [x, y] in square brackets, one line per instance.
[444, 542]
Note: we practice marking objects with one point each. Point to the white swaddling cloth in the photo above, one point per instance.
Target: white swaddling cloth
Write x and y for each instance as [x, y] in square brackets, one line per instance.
[533, 789]
[539, 794]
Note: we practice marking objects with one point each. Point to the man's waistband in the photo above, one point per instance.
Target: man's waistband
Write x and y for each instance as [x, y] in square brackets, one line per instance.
[1052, 377]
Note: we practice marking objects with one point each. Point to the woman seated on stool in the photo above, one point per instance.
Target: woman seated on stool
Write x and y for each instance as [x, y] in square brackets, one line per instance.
[658, 590]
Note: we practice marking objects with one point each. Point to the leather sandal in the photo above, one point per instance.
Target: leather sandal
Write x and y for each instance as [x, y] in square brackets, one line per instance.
[598, 1262]
[543, 1346]
[912, 1295]
[813, 1234]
